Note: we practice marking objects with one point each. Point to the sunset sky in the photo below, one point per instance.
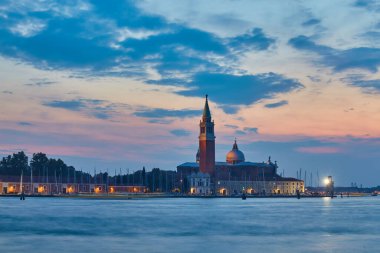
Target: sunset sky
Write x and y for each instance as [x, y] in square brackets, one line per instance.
[121, 84]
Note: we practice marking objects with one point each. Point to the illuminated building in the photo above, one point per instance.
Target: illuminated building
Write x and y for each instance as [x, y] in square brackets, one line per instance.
[200, 183]
[235, 175]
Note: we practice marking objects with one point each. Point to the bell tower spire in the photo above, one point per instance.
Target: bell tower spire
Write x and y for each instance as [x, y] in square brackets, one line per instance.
[207, 142]
[206, 111]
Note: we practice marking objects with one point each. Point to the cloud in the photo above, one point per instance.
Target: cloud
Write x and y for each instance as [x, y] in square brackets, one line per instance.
[314, 78]
[370, 86]
[233, 22]
[99, 39]
[167, 113]
[105, 39]
[246, 89]
[230, 109]
[23, 123]
[311, 22]
[180, 132]
[193, 39]
[7, 92]
[188, 49]
[247, 130]
[126, 14]
[253, 40]
[355, 58]
[251, 130]
[231, 126]
[99, 109]
[371, 35]
[240, 132]
[319, 150]
[71, 105]
[67, 42]
[28, 27]
[277, 104]
[371, 5]
[40, 82]
[160, 121]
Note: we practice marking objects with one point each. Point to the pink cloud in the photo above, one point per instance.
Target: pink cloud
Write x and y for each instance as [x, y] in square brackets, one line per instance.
[319, 150]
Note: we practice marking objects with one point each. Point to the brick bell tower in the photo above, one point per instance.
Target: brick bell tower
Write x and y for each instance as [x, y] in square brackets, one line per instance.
[207, 142]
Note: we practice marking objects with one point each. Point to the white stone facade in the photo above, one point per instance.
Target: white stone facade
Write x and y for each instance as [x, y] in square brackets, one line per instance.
[200, 183]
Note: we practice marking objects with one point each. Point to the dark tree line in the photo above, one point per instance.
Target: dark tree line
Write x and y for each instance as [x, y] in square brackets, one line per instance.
[41, 167]
[12, 165]
[44, 169]
[155, 181]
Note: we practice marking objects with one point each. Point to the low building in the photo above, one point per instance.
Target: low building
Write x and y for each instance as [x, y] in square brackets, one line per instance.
[50, 188]
[126, 189]
[276, 186]
[199, 183]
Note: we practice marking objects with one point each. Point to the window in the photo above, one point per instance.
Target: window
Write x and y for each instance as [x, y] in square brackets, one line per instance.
[202, 130]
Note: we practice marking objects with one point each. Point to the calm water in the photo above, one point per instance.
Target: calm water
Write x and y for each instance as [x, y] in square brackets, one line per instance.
[190, 225]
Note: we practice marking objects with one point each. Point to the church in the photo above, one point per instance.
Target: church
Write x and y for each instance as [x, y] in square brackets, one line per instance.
[205, 176]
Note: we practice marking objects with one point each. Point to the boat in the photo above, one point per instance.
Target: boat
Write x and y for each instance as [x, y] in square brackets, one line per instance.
[243, 196]
[374, 194]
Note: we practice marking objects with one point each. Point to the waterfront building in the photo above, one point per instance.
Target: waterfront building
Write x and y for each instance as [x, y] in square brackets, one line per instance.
[49, 188]
[63, 188]
[127, 189]
[235, 175]
[200, 183]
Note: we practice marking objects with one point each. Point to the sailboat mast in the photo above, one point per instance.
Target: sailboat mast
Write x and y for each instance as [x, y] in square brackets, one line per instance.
[31, 181]
[21, 190]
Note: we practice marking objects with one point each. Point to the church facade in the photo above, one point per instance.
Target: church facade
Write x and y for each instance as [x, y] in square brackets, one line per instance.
[235, 175]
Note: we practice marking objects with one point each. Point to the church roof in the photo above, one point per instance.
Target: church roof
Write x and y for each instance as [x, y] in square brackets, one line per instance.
[235, 156]
[189, 164]
[242, 164]
[196, 165]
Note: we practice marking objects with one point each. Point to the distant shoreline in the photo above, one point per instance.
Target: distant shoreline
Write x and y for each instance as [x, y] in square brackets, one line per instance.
[149, 196]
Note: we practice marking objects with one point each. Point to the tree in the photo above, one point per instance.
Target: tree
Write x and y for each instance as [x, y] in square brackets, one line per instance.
[38, 164]
[13, 165]
[143, 176]
[20, 163]
[5, 165]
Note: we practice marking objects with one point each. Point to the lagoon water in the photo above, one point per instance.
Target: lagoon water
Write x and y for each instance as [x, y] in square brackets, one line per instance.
[190, 225]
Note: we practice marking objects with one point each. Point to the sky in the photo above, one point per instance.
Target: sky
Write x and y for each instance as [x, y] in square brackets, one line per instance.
[121, 84]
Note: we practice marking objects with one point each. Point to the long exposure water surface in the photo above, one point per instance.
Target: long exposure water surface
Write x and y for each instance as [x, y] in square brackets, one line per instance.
[190, 225]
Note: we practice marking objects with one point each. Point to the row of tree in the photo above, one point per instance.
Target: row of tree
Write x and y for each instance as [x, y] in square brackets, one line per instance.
[50, 170]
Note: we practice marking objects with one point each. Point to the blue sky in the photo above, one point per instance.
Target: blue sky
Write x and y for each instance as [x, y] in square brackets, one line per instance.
[121, 84]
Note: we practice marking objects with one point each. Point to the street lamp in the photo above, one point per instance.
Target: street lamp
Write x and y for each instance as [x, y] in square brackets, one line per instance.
[329, 186]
